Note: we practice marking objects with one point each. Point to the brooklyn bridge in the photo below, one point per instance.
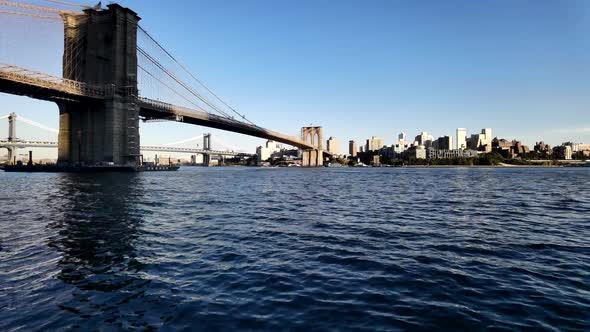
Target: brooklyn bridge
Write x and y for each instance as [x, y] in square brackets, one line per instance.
[111, 69]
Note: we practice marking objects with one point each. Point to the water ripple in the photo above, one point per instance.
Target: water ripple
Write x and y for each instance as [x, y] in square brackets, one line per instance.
[294, 249]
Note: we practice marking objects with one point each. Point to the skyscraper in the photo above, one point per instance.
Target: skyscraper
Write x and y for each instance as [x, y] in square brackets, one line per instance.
[332, 145]
[424, 139]
[402, 139]
[374, 144]
[461, 138]
[352, 149]
[444, 143]
[481, 141]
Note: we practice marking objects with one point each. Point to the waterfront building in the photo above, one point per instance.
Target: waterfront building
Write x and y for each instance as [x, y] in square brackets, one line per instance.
[509, 149]
[541, 147]
[374, 144]
[389, 151]
[332, 146]
[286, 154]
[443, 143]
[265, 152]
[376, 160]
[461, 138]
[450, 154]
[352, 149]
[399, 148]
[481, 141]
[424, 139]
[416, 152]
[402, 139]
[579, 147]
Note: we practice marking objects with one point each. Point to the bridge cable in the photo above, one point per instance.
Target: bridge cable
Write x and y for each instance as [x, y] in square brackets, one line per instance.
[193, 76]
[185, 140]
[67, 3]
[175, 78]
[33, 7]
[171, 88]
[184, 85]
[36, 124]
[46, 17]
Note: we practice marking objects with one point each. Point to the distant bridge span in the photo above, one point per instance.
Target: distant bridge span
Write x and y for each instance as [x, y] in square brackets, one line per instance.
[23, 144]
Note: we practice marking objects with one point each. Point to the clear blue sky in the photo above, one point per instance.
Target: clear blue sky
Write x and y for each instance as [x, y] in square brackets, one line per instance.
[364, 68]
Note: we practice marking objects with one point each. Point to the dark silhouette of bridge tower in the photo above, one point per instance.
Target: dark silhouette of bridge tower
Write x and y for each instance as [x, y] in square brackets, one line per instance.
[100, 48]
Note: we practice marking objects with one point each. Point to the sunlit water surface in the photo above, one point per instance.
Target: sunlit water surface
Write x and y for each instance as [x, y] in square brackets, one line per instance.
[285, 249]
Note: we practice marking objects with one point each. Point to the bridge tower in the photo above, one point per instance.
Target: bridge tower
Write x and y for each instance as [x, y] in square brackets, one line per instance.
[12, 127]
[100, 48]
[312, 157]
[12, 136]
[207, 147]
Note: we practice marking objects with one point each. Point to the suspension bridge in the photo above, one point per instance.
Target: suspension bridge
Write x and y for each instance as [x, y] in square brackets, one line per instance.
[12, 143]
[114, 74]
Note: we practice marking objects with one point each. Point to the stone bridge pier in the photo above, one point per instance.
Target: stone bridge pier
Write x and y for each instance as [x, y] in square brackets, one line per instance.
[312, 157]
[100, 48]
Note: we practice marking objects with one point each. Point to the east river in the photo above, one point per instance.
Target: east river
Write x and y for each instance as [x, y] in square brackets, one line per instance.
[297, 249]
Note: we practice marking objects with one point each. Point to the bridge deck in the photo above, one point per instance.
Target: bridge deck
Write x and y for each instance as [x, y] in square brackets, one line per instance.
[24, 82]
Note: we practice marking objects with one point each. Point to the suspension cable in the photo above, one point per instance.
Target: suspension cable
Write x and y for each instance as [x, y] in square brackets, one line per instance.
[33, 7]
[45, 17]
[172, 89]
[185, 140]
[191, 74]
[188, 88]
[175, 78]
[67, 3]
[36, 124]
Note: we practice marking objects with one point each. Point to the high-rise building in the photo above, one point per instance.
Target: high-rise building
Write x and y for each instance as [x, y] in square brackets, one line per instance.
[424, 139]
[374, 144]
[488, 135]
[332, 145]
[352, 149]
[461, 138]
[402, 139]
[568, 152]
[481, 141]
[443, 143]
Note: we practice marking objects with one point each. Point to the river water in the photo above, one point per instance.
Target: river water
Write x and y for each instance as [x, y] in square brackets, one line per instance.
[293, 249]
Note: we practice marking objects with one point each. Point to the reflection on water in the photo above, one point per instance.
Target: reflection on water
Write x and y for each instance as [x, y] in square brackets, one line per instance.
[95, 233]
[92, 237]
[275, 249]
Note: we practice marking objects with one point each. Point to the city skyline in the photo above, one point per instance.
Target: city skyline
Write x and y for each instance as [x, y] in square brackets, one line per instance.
[407, 67]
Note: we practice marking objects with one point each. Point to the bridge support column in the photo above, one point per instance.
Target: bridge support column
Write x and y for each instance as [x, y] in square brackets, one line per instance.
[206, 159]
[100, 48]
[207, 147]
[12, 151]
[12, 127]
[312, 157]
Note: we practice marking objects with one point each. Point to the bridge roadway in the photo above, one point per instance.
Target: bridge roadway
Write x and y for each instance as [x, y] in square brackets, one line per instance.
[48, 144]
[24, 82]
